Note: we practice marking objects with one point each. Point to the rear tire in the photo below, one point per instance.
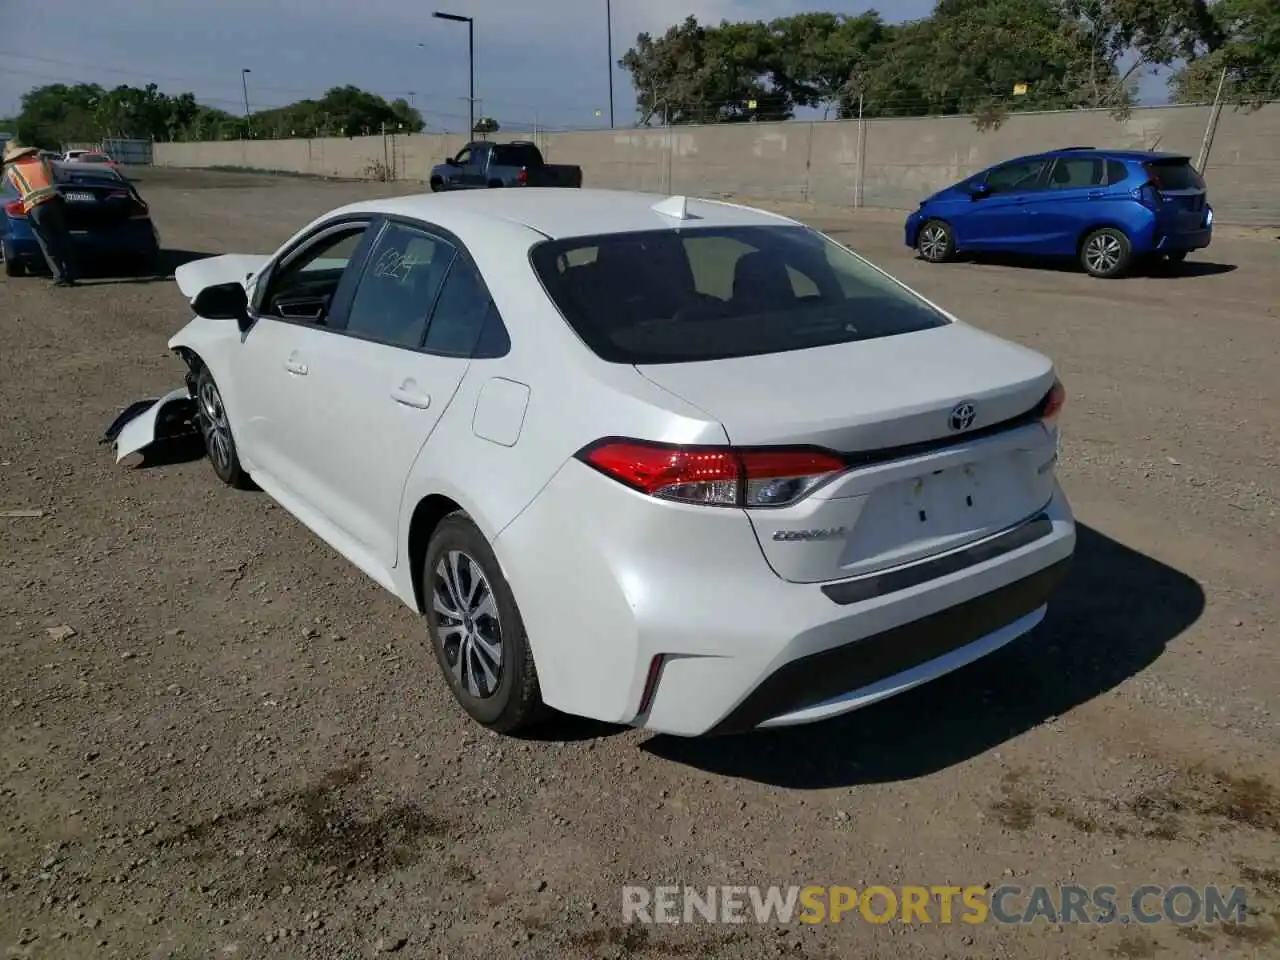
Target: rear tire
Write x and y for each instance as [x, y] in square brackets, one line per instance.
[1106, 253]
[1177, 256]
[936, 242]
[475, 629]
[13, 267]
[215, 428]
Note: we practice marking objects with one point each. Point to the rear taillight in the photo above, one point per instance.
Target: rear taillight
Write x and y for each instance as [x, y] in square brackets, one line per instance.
[714, 476]
[138, 209]
[522, 177]
[14, 209]
[1148, 194]
[1052, 404]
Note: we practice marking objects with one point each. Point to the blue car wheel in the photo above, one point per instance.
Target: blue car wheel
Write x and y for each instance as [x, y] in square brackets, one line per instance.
[1106, 253]
[936, 242]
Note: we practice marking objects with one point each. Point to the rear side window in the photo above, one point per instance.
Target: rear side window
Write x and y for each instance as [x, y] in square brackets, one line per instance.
[1076, 172]
[1117, 172]
[399, 286]
[679, 296]
[516, 155]
[1175, 175]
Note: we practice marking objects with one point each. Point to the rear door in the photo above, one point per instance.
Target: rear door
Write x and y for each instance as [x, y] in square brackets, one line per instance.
[1183, 195]
[1076, 186]
[1005, 219]
[384, 380]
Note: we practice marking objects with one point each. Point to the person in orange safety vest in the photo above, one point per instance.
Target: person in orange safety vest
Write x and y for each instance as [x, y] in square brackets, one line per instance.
[32, 176]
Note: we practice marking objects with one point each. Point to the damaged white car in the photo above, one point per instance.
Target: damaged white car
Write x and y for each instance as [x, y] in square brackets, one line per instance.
[673, 463]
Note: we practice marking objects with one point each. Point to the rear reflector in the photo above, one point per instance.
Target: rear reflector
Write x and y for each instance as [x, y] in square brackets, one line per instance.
[651, 683]
[14, 209]
[714, 476]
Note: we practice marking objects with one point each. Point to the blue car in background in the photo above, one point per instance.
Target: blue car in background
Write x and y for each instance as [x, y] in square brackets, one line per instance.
[1109, 209]
[107, 217]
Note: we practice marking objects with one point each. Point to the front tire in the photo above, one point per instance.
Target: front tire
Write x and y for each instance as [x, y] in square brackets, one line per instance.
[1106, 253]
[475, 629]
[215, 428]
[936, 242]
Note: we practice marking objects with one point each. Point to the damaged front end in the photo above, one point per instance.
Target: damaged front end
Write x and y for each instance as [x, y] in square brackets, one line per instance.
[145, 423]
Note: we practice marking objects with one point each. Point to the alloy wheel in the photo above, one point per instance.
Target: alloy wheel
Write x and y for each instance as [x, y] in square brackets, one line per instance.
[214, 426]
[468, 625]
[934, 242]
[1103, 253]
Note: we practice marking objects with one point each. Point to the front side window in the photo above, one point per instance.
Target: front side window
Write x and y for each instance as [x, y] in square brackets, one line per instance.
[678, 296]
[399, 286]
[303, 287]
[1019, 175]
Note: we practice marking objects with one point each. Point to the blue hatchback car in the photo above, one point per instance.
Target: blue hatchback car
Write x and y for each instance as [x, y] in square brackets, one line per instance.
[106, 217]
[1109, 209]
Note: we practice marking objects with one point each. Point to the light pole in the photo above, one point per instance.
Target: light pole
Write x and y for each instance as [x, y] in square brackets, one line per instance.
[244, 82]
[608, 21]
[471, 58]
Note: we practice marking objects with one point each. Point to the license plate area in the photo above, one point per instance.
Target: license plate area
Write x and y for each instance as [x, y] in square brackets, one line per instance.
[79, 196]
[942, 510]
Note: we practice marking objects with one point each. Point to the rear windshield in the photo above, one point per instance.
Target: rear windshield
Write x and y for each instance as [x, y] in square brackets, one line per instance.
[1175, 175]
[679, 296]
[516, 155]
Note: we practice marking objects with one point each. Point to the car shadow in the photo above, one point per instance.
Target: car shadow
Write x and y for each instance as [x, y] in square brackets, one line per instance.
[170, 452]
[106, 274]
[1112, 617]
[1187, 269]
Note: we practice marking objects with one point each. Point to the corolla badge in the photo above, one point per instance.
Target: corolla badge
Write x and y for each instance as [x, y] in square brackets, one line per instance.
[962, 416]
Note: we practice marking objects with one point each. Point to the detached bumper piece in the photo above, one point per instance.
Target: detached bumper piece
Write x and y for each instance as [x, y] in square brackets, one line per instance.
[147, 422]
[824, 676]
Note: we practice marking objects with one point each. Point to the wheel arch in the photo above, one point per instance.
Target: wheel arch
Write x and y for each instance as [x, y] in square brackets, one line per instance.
[428, 513]
[1094, 227]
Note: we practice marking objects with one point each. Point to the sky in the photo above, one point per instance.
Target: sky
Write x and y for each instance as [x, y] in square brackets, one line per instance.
[544, 62]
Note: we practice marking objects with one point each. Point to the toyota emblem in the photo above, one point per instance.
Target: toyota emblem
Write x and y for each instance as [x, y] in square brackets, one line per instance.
[962, 416]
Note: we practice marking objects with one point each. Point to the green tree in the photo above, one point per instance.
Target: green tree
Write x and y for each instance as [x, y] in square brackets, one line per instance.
[1247, 48]
[812, 57]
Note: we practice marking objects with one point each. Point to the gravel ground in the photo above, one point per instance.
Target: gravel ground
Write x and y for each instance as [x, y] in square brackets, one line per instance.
[220, 739]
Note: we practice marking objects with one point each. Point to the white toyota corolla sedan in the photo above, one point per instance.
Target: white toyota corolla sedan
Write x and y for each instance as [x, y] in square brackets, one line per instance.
[667, 462]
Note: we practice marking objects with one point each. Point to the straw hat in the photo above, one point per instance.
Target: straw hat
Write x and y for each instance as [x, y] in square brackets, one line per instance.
[13, 150]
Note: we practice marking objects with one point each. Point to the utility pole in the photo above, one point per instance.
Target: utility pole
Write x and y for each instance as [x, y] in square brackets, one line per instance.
[471, 55]
[1215, 112]
[244, 83]
[608, 20]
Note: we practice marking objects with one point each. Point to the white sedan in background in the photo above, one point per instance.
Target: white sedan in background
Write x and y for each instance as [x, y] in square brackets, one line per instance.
[667, 462]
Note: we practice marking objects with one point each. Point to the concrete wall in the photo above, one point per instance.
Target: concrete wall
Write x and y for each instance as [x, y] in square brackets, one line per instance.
[882, 163]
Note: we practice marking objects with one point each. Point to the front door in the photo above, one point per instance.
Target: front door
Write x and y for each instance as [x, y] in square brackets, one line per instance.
[476, 171]
[386, 378]
[1003, 219]
[296, 301]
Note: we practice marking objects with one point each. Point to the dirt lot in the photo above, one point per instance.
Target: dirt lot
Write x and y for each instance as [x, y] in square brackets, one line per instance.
[221, 740]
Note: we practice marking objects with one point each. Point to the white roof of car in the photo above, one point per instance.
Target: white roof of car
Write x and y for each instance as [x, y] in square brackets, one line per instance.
[560, 212]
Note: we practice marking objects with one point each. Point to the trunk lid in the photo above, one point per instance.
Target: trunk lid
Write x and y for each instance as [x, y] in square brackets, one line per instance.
[97, 205]
[938, 426]
[1183, 195]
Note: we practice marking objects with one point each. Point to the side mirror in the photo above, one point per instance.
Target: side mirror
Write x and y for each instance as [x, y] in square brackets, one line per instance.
[224, 301]
[980, 190]
[453, 162]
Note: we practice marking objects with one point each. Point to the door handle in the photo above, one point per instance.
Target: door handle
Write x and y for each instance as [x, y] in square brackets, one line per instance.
[1094, 194]
[296, 367]
[408, 395]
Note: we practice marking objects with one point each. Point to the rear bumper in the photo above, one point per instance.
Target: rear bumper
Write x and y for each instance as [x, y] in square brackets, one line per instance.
[608, 581]
[1192, 240]
[131, 238]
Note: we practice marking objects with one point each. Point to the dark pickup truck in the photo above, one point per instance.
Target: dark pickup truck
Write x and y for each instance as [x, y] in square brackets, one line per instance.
[517, 164]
